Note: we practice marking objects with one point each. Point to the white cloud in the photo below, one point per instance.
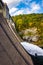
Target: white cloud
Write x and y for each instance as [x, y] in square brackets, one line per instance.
[26, 1]
[13, 10]
[8, 1]
[35, 6]
[11, 1]
[18, 12]
[27, 10]
[22, 11]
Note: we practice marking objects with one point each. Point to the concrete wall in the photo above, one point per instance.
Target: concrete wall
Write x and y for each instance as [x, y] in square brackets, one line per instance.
[6, 12]
[12, 52]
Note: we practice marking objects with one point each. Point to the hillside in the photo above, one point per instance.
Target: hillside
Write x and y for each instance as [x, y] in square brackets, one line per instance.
[30, 27]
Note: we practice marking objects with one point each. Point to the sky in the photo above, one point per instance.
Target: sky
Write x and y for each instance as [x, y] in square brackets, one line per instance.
[17, 7]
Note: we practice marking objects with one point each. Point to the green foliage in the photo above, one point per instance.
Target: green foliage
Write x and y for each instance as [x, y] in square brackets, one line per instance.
[23, 22]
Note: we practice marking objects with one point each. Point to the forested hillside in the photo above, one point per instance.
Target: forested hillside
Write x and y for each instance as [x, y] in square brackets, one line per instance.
[30, 27]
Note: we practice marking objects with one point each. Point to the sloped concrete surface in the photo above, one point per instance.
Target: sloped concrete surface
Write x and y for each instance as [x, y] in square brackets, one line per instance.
[11, 51]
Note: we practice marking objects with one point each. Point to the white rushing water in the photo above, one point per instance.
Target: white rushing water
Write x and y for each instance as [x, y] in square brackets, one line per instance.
[32, 49]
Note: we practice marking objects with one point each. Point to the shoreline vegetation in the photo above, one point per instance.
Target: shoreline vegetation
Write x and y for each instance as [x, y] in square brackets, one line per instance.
[30, 27]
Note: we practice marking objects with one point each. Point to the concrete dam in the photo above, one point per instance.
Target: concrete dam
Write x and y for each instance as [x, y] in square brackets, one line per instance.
[11, 51]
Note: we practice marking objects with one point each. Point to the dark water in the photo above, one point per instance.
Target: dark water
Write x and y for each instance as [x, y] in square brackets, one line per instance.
[37, 60]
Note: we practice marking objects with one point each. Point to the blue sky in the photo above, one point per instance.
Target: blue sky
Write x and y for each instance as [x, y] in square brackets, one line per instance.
[17, 7]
